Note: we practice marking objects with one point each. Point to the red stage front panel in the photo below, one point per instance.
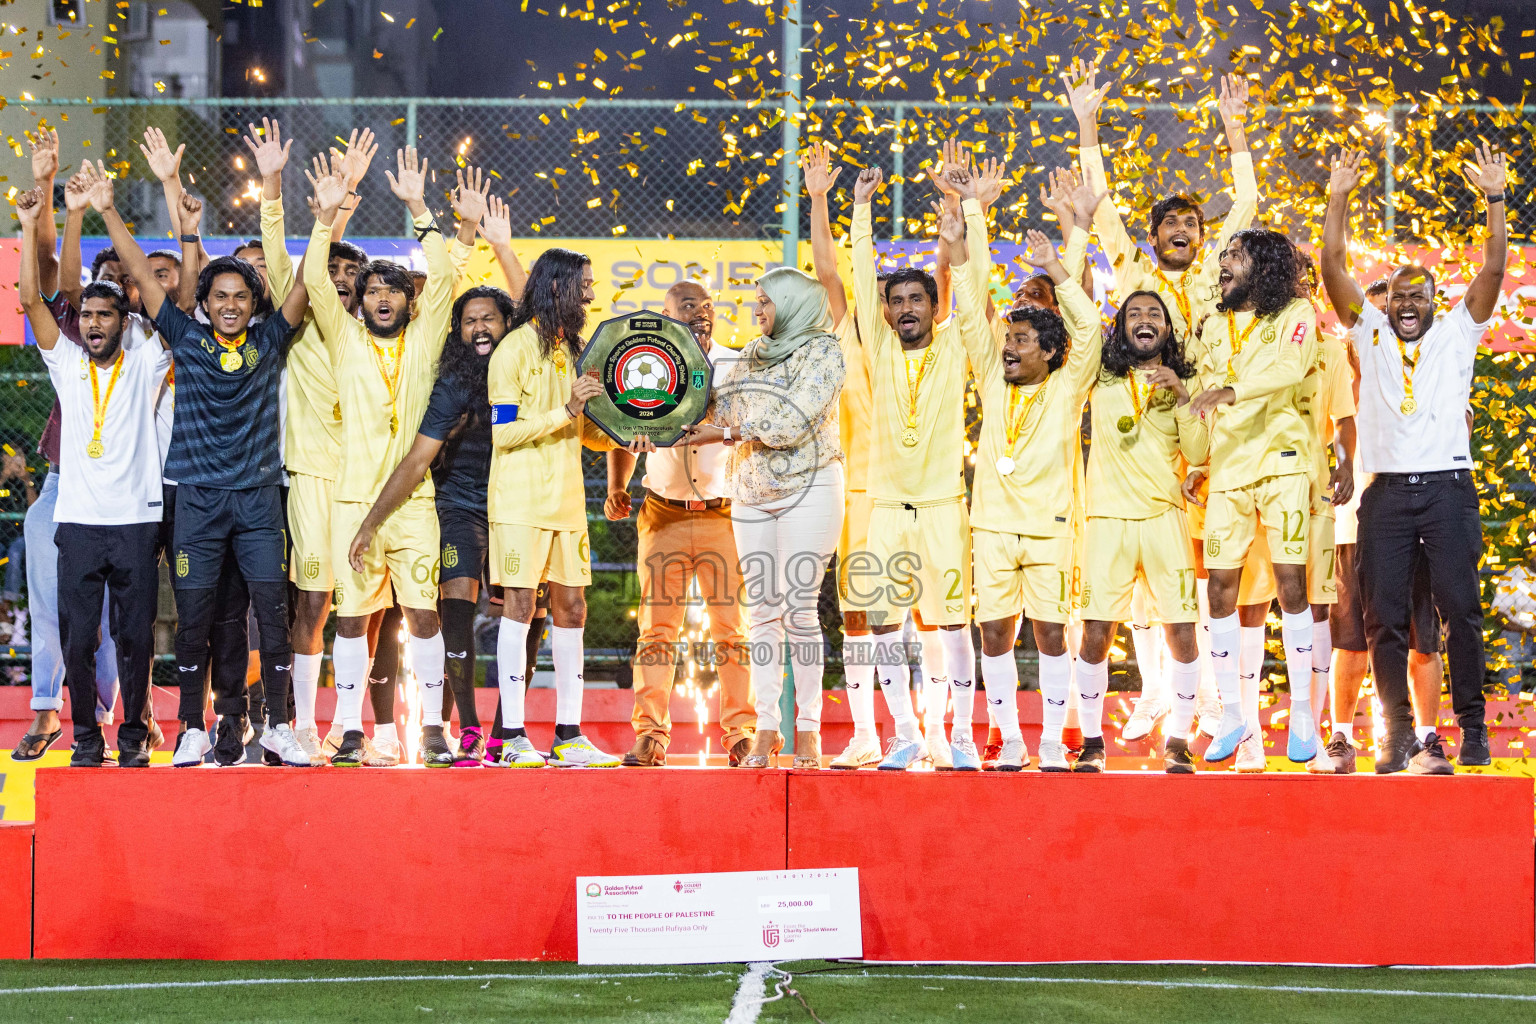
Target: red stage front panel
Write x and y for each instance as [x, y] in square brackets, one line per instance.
[1220, 867]
[15, 890]
[264, 863]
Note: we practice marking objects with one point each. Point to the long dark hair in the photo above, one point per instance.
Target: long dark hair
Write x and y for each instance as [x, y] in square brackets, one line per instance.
[460, 365]
[1117, 358]
[1273, 272]
[552, 299]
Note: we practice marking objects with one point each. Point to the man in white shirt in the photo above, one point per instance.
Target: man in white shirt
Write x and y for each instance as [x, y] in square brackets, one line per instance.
[685, 534]
[1415, 380]
[109, 506]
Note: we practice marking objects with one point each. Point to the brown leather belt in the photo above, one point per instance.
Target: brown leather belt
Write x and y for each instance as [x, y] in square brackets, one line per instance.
[690, 505]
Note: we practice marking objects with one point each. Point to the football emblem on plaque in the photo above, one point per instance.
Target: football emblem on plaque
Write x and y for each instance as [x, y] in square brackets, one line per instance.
[655, 377]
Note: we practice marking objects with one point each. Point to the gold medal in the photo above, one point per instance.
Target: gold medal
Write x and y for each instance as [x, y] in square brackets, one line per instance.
[909, 437]
[1409, 406]
[95, 449]
[336, 412]
[1005, 466]
[394, 424]
[230, 362]
[389, 373]
[1125, 424]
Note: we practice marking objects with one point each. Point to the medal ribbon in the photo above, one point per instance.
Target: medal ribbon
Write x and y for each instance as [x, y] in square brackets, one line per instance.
[1180, 296]
[1237, 343]
[1013, 424]
[391, 380]
[98, 404]
[1138, 400]
[915, 384]
[231, 346]
[1410, 365]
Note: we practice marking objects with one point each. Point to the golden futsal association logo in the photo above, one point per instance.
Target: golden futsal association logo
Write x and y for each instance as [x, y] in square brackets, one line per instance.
[593, 889]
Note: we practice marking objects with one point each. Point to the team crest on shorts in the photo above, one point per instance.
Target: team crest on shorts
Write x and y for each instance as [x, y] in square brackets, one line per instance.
[1212, 546]
[450, 556]
[511, 563]
[311, 567]
[183, 564]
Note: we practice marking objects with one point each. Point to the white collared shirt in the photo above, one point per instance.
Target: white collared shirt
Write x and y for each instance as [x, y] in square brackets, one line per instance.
[1434, 437]
[691, 472]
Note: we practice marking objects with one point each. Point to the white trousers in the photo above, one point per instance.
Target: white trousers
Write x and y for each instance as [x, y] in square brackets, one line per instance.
[784, 548]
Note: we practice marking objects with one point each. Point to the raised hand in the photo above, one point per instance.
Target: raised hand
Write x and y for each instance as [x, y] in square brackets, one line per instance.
[1084, 199]
[29, 206]
[1057, 198]
[359, 154]
[1346, 172]
[327, 183]
[77, 191]
[165, 165]
[496, 225]
[951, 155]
[951, 224]
[468, 198]
[866, 185]
[100, 187]
[45, 154]
[409, 182]
[991, 175]
[267, 146]
[1490, 173]
[1084, 95]
[191, 213]
[1041, 252]
[1232, 102]
[817, 170]
[1164, 377]
[961, 183]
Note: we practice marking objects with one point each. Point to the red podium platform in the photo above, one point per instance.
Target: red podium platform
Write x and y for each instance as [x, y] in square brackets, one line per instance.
[258, 863]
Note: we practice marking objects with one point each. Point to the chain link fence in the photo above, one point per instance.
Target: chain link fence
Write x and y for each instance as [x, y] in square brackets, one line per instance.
[715, 169]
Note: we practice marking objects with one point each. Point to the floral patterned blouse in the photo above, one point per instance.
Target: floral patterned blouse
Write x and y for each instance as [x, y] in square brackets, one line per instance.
[790, 413]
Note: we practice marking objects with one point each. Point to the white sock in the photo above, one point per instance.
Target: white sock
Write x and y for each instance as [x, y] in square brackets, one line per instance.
[1001, 675]
[1185, 683]
[512, 670]
[427, 666]
[896, 684]
[960, 660]
[1225, 641]
[1296, 632]
[1250, 664]
[385, 733]
[935, 680]
[1423, 731]
[859, 676]
[1149, 661]
[1055, 692]
[1322, 666]
[1203, 638]
[306, 684]
[566, 649]
[1092, 681]
[349, 658]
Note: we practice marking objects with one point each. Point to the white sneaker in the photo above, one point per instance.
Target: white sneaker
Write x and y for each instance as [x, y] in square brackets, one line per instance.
[938, 748]
[383, 752]
[194, 746]
[282, 741]
[1250, 754]
[860, 752]
[518, 752]
[579, 752]
[1053, 756]
[1208, 714]
[1146, 713]
[1012, 758]
[309, 739]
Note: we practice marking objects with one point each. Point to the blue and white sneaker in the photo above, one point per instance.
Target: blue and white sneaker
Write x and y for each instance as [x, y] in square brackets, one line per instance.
[1301, 747]
[1232, 731]
[901, 754]
[963, 752]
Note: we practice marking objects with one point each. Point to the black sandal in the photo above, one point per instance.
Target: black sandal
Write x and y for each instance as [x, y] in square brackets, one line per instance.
[47, 740]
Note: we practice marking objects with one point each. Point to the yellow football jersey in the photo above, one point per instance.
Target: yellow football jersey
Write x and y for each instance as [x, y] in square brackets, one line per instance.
[1139, 436]
[1191, 294]
[1327, 396]
[536, 476]
[382, 399]
[1264, 361]
[855, 405]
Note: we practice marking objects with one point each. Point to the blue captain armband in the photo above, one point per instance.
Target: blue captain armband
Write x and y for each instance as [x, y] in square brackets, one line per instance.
[503, 414]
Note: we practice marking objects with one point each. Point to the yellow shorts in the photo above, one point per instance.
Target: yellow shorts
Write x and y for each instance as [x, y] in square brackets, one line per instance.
[855, 537]
[404, 554]
[1278, 503]
[1156, 550]
[1258, 585]
[1032, 573]
[918, 558]
[309, 527]
[524, 556]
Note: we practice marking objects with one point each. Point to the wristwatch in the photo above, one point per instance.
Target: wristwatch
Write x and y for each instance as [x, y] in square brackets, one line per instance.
[191, 238]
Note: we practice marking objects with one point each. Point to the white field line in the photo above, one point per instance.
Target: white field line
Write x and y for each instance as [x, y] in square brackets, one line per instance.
[360, 980]
[1217, 985]
[748, 1004]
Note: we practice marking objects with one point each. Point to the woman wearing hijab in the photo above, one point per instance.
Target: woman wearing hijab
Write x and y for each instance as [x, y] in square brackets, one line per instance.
[777, 409]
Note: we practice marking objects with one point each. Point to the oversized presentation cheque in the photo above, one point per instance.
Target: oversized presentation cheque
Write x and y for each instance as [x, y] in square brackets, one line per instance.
[655, 377]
